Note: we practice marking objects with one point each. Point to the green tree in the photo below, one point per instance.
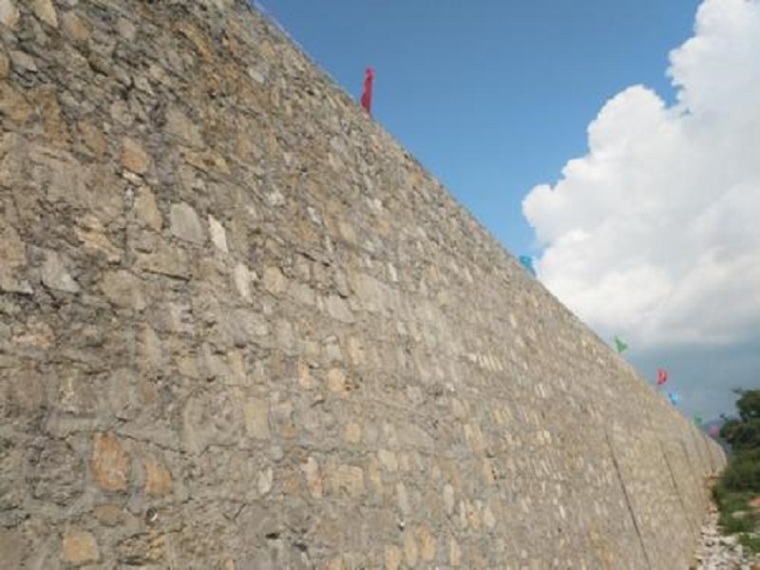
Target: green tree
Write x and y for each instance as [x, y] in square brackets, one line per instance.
[743, 433]
[742, 474]
[748, 405]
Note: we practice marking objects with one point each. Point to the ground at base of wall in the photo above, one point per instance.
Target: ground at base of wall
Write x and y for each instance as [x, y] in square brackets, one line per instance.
[717, 551]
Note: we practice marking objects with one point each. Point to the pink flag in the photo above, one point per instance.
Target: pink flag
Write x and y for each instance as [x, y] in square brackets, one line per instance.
[369, 76]
[714, 431]
[662, 376]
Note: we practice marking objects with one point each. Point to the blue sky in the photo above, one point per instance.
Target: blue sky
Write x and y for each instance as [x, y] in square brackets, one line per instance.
[614, 141]
[492, 96]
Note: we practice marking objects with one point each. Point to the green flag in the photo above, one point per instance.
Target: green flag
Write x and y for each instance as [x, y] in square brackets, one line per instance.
[620, 344]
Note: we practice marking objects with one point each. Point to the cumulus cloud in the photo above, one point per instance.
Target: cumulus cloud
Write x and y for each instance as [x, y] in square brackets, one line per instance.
[655, 233]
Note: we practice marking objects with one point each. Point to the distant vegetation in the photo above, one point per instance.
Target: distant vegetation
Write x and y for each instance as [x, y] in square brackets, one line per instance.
[739, 485]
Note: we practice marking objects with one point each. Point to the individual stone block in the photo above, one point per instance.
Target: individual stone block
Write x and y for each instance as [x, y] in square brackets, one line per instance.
[111, 465]
[158, 480]
[79, 547]
[185, 223]
[45, 11]
[147, 208]
[218, 235]
[256, 414]
[124, 290]
[54, 274]
[9, 13]
[133, 156]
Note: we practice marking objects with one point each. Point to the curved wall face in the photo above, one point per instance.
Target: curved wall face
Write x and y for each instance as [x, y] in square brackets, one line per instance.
[241, 328]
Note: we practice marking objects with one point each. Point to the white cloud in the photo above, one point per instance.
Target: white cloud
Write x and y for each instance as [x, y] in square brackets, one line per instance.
[655, 233]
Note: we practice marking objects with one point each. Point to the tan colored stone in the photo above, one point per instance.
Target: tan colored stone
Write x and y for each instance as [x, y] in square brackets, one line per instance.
[187, 366]
[388, 460]
[474, 437]
[111, 465]
[411, 552]
[158, 480]
[336, 381]
[218, 235]
[93, 139]
[274, 280]
[37, 334]
[9, 14]
[134, 157]
[353, 433]
[427, 544]
[91, 233]
[335, 564]
[256, 414]
[455, 552]
[206, 161]
[149, 349]
[313, 477]
[123, 289]
[291, 482]
[197, 38]
[166, 261]
[79, 546]
[305, 379]
[266, 478]
[5, 65]
[243, 277]
[375, 476]
[45, 11]
[14, 105]
[339, 309]
[488, 517]
[236, 365]
[23, 61]
[179, 126]
[356, 351]
[55, 275]
[13, 256]
[45, 100]
[392, 557]
[109, 514]
[74, 27]
[185, 223]
[147, 208]
[347, 480]
[126, 29]
[12, 548]
[347, 232]
[448, 499]
[302, 293]
[402, 499]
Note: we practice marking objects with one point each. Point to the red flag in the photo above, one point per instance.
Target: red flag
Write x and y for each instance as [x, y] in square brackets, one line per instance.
[369, 76]
[662, 376]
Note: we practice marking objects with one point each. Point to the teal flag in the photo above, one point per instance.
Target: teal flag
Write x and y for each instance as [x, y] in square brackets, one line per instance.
[527, 263]
[620, 345]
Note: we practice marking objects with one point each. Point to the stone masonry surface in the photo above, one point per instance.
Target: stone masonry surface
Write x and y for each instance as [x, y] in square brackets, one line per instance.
[241, 328]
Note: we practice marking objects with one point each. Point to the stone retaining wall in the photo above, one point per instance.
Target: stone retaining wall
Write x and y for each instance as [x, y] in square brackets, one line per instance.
[241, 328]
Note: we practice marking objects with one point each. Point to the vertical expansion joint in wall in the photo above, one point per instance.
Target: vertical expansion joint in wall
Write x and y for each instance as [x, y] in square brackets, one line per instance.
[628, 502]
[676, 489]
[700, 472]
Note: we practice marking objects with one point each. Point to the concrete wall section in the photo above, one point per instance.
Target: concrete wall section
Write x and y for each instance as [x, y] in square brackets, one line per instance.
[240, 327]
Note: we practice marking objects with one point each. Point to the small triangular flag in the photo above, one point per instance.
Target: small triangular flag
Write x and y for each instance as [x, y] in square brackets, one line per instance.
[620, 345]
